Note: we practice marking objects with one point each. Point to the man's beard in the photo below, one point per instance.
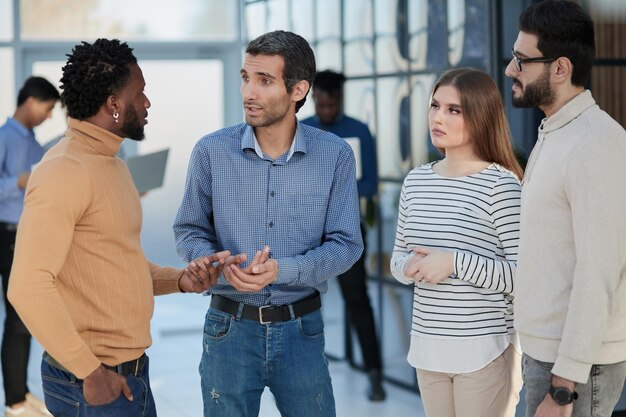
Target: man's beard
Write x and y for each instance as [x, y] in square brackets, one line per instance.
[131, 128]
[536, 94]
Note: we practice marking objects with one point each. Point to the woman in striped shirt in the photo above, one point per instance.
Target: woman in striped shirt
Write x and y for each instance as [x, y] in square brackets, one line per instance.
[456, 241]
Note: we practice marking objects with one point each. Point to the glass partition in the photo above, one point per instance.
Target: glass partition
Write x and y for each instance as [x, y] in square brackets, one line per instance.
[358, 34]
[8, 98]
[184, 20]
[6, 20]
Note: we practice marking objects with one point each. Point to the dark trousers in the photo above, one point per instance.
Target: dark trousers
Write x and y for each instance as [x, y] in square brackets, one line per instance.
[353, 285]
[16, 338]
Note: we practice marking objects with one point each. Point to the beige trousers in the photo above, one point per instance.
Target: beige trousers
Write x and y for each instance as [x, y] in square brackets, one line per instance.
[492, 391]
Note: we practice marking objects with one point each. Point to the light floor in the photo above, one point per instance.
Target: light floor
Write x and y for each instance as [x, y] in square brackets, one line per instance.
[177, 345]
[175, 353]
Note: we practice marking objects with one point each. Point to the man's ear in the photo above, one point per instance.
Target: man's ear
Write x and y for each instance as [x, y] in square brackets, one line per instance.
[112, 104]
[299, 90]
[563, 69]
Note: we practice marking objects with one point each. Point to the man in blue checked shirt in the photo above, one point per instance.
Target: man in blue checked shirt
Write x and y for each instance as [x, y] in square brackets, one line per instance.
[19, 151]
[284, 195]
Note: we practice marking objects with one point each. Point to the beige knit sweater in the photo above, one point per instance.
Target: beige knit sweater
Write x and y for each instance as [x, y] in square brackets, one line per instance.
[570, 290]
[80, 280]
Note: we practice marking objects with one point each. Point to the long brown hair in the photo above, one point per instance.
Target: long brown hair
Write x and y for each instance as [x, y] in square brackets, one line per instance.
[483, 114]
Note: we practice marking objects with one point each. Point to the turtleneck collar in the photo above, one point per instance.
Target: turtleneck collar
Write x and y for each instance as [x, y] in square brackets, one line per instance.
[100, 140]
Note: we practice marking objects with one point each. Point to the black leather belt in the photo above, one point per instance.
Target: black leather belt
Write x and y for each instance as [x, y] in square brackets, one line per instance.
[270, 313]
[133, 367]
[8, 227]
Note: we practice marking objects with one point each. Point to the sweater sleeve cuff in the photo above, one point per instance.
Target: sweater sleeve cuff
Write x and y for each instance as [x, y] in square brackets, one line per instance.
[401, 264]
[458, 265]
[570, 369]
[164, 279]
[82, 365]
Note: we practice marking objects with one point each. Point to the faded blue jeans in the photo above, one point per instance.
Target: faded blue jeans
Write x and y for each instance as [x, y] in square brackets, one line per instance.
[63, 394]
[241, 357]
[596, 398]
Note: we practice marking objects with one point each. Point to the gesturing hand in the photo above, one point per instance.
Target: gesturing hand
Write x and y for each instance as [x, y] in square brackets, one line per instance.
[201, 274]
[261, 271]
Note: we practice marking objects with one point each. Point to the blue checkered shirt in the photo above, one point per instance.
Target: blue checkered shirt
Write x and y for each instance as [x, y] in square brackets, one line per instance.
[304, 205]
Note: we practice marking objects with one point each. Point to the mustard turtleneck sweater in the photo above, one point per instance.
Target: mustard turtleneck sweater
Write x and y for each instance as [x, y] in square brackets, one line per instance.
[80, 280]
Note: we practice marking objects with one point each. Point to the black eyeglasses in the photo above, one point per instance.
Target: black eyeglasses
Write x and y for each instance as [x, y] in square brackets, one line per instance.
[519, 61]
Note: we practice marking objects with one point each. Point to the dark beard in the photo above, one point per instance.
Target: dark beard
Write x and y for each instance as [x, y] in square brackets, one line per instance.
[131, 128]
[536, 94]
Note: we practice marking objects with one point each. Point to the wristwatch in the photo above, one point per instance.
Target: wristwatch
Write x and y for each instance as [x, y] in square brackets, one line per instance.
[563, 396]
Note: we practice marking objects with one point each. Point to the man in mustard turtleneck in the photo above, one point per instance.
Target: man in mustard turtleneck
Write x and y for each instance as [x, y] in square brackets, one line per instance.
[80, 280]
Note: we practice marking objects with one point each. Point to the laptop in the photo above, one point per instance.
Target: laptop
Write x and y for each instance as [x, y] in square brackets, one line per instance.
[148, 170]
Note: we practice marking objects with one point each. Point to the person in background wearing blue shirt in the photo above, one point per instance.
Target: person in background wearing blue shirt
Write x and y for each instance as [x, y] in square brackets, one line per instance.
[282, 197]
[19, 151]
[328, 98]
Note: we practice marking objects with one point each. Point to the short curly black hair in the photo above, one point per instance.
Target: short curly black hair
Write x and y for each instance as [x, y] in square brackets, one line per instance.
[92, 73]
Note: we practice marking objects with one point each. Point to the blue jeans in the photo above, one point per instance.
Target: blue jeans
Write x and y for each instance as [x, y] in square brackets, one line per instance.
[241, 357]
[596, 398]
[63, 394]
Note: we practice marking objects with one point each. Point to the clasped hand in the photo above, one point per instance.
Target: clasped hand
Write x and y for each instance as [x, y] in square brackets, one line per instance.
[429, 265]
[261, 272]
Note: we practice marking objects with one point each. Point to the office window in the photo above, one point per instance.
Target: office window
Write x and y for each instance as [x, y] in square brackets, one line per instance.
[358, 34]
[359, 102]
[277, 15]
[456, 30]
[328, 54]
[391, 32]
[393, 144]
[255, 14]
[328, 18]
[184, 20]
[301, 12]
[7, 82]
[6, 20]
[422, 149]
[418, 33]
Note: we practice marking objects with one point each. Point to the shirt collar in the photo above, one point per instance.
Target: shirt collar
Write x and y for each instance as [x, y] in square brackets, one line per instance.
[249, 141]
[101, 140]
[570, 111]
[21, 130]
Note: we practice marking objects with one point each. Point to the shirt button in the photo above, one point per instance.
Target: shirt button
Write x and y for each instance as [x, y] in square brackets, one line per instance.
[272, 193]
[271, 224]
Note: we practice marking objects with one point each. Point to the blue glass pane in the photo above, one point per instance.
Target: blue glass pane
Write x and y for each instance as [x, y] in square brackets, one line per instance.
[358, 19]
[278, 17]
[302, 18]
[391, 37]
[393, 143]
[328, 17]
[255, 19]
[359, 57]
[422, 150]
[359, 102]
[418, 33]
[328, 54]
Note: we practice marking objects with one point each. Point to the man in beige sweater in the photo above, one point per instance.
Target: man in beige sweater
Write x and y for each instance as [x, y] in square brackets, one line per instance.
[80, 281]
[570, 293]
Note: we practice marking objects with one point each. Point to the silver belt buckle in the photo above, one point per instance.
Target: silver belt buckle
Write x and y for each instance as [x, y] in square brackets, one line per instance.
[261, 315]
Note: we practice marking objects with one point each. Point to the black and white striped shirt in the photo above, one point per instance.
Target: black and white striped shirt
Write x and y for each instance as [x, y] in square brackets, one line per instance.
[476, 217]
